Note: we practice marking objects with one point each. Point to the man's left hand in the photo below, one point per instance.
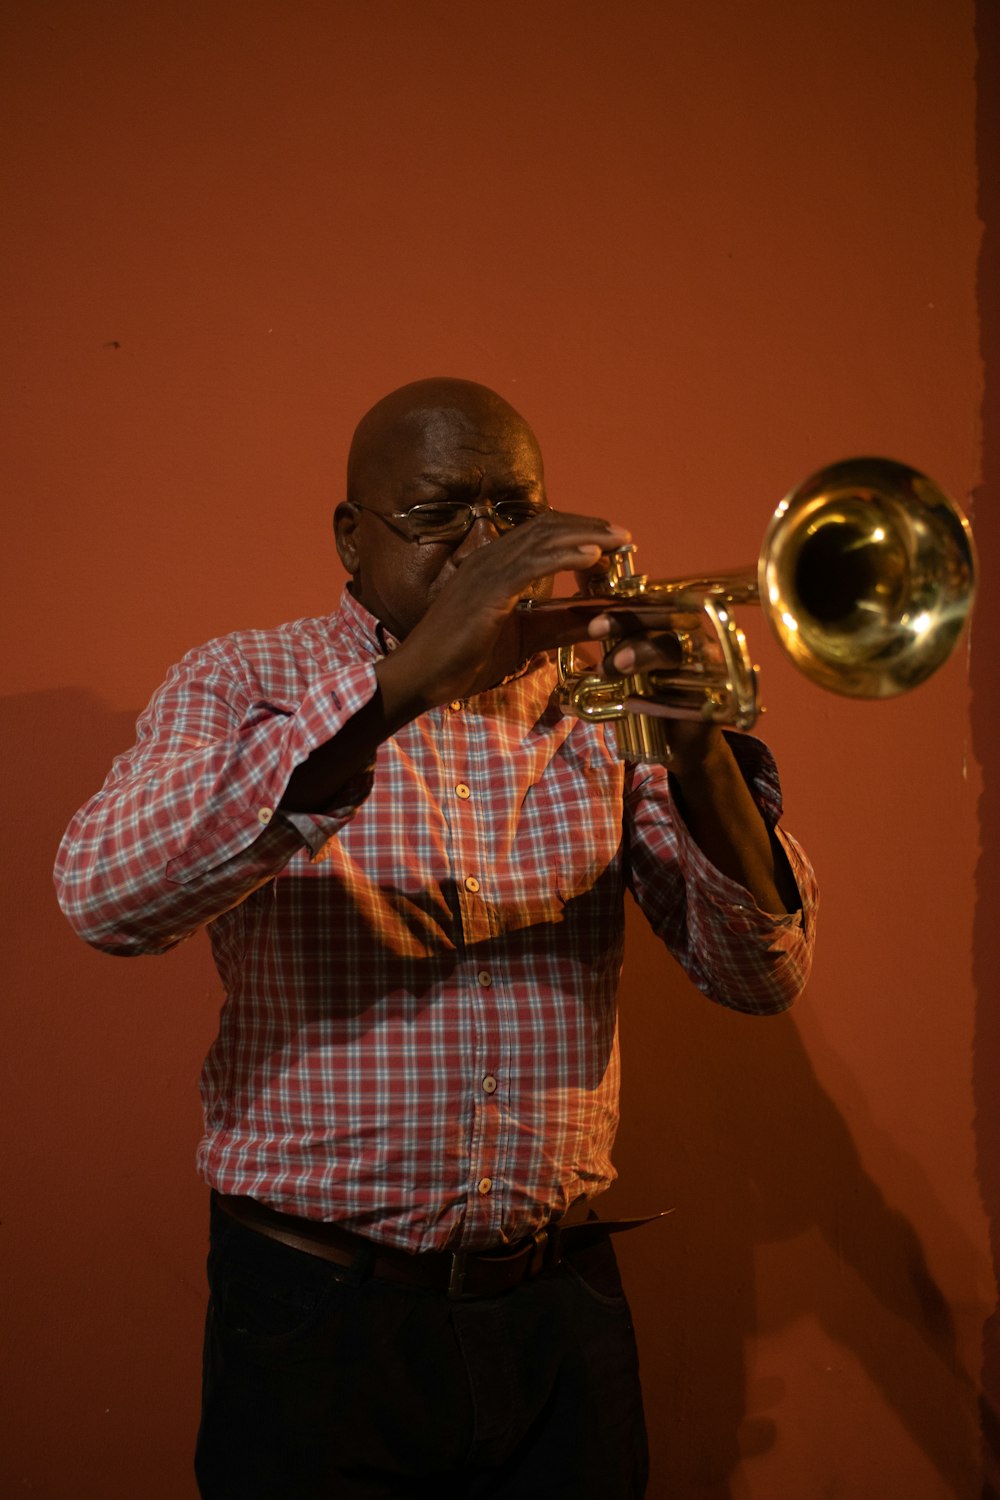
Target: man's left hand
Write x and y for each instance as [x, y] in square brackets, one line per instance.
[693, 742]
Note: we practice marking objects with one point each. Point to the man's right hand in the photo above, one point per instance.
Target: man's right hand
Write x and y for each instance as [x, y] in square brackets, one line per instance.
[470, 637]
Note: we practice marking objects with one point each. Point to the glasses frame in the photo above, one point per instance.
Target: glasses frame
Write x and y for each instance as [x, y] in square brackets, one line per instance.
[481, 509]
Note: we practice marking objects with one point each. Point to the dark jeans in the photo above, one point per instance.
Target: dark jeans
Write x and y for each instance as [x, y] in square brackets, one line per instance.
[320, 1384]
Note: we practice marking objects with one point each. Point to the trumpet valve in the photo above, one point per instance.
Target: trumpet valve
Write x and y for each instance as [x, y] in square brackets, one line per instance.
[622, 577]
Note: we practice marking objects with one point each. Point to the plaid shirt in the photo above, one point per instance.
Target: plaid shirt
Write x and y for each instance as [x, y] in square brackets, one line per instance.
[419, 1034]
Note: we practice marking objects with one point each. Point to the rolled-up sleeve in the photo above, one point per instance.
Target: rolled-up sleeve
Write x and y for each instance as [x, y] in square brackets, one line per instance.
[187, 824]
[737, 954]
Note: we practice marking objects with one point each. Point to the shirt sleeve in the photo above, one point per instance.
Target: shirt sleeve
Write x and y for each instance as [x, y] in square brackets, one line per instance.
[187, 824]
[737, 954]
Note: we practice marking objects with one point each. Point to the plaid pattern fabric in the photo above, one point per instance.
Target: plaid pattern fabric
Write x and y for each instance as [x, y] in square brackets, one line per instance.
[419, 1034]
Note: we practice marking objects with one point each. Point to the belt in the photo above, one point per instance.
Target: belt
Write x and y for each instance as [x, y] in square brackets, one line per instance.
[458, 1273]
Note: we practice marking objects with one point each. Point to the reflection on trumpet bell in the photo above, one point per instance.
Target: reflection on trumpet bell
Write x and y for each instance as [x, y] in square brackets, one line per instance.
[866, 574]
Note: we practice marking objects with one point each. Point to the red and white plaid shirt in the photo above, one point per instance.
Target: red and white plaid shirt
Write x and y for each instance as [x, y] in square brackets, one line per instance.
[419, 1034]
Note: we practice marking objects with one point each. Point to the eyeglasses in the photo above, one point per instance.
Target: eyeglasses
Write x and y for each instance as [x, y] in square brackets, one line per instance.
[446, 520]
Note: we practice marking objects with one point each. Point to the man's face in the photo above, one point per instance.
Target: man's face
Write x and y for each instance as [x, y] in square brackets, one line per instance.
[472, 453]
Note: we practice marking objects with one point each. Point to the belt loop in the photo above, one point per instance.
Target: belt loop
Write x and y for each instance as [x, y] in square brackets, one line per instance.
[546, 1253]
[456, 1280]
[362, 1266]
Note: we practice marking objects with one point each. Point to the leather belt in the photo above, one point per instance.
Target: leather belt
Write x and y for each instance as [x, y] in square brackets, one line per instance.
[458, 1273]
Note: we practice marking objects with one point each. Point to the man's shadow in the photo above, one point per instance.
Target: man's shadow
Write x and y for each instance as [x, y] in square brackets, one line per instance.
[104, 1219]
[724, 1117]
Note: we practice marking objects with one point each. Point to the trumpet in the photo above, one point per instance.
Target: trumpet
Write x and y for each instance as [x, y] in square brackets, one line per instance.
[866, 575]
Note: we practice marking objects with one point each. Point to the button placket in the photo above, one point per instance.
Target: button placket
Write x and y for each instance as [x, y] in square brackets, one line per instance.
[462, 772]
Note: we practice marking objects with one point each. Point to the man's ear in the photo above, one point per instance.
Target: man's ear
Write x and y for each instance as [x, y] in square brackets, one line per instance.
[345, 531]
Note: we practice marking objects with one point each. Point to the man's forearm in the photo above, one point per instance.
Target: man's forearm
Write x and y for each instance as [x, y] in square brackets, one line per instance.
[315, 783]
[184, 827]
[727, 826]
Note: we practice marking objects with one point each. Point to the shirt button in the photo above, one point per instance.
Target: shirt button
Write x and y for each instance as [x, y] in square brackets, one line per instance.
[265, 815]
[462, 791]
[484, 1184]
[471, 883]
[489, 1084]
[485, 978]
[455, 705]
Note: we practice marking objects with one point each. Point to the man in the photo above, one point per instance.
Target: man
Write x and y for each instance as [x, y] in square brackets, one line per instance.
[412, 867]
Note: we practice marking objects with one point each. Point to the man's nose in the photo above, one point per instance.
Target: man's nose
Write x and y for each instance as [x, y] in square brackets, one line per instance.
[482, 531]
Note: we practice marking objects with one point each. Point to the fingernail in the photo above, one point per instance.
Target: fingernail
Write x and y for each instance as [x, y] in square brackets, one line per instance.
[624, 659]
[599, 627]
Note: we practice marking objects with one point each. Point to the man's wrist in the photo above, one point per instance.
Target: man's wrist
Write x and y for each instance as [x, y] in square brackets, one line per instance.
[403, 692]
[698, 755]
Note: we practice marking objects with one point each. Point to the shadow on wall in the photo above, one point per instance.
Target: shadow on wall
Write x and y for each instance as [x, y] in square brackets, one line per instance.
[104, 1220]
[724, 1116]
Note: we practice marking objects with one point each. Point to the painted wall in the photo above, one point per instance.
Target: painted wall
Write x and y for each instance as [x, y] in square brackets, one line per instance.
[705, 249]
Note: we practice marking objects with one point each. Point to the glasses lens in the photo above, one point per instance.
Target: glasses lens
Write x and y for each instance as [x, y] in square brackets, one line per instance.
[510, 513]
[438, 519]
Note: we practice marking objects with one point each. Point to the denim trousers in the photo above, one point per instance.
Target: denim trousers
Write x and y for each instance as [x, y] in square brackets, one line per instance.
[319, 1382]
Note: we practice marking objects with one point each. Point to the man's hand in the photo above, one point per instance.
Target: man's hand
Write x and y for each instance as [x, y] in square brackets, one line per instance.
[708, 787]
[656, 642]
[470, 636]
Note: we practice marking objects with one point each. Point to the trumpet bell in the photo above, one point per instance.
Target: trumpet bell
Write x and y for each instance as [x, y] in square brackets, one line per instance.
[867, 574]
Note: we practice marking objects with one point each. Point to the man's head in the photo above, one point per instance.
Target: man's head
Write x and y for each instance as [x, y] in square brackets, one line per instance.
[434, 440]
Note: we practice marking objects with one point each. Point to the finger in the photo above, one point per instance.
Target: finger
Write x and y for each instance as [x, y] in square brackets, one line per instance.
[630, 657]
[654, 653]
[520, 557]
[545, 629]
[560, 517]
[594, 581]
[650, 708]
[631, 617]
[564, 523]
[689, 725]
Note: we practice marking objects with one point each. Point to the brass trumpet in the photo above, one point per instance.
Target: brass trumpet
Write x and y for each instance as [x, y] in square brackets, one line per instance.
[866, 574]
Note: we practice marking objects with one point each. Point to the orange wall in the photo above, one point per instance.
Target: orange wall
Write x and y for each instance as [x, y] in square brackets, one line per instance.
[705, 249]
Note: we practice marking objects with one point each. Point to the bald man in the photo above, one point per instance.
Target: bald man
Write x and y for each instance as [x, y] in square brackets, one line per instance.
[411, 866]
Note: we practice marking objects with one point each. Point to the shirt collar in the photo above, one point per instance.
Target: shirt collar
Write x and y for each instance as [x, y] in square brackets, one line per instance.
[357, 621]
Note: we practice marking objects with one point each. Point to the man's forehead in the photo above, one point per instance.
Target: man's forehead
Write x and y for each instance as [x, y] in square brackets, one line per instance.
[468, 426]
[438, 426]
[458, 432]
[444, 442]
